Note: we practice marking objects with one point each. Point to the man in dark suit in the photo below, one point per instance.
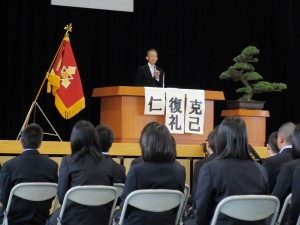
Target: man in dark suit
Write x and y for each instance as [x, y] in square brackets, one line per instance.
[150, 75]
[274, 163]
[30, 166]
[283, 186]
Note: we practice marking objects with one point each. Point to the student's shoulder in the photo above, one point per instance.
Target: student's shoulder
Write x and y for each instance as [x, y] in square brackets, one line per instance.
[291, 165]
[178, 165]
[47, 159]
[280, 157]
[66, 159]
[116, 163]
[269, 159]
[11, 161]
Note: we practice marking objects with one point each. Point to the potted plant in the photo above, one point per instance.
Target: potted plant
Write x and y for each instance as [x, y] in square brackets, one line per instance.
[244, 72]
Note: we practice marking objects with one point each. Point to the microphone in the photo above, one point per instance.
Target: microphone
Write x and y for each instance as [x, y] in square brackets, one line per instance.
[163, 80]
[155, 73]
[154, 69]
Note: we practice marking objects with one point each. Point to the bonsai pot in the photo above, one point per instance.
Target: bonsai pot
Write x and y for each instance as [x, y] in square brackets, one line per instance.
[241, 104]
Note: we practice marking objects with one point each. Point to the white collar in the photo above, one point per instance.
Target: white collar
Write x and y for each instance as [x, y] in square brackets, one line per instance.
[287, 146]
[151, 66]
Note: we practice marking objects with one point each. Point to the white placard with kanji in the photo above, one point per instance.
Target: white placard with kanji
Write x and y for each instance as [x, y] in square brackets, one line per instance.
[175, 110]
[155, 101]
[194, 111]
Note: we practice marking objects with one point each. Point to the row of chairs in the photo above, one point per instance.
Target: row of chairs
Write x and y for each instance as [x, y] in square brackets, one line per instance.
[243, 207]
[95, 195]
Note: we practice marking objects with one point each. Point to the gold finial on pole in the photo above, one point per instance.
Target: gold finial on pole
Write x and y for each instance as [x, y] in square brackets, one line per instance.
[68, 28]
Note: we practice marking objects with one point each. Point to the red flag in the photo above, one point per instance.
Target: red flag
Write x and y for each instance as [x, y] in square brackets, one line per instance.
[65, 81]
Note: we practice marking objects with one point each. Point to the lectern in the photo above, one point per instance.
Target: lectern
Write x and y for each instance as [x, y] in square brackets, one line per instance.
[255, 121]
[122, 109]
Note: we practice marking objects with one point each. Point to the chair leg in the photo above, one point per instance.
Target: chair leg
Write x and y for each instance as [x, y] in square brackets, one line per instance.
[298, 222]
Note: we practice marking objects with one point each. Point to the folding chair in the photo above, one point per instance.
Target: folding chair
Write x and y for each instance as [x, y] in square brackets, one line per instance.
[90, 195]
[287, 202]
[248, 208]
[33, 191]
[186, 194]
[154, 200]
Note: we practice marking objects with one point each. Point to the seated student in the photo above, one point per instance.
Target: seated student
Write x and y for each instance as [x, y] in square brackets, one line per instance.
[232, 172]
[294, 211]
[284, 141]
[30, 166]
[85, 166]
[159, 171]
[106, 138]
[283, 186]
[272, 146]
[209, 148]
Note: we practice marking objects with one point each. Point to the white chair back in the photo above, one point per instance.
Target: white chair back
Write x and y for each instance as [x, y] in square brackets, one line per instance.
[248, 208]
[90, 195]
[154, 200]
[120, 187]
[31, 191]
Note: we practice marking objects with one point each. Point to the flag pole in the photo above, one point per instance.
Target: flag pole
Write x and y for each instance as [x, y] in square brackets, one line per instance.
[68, 29]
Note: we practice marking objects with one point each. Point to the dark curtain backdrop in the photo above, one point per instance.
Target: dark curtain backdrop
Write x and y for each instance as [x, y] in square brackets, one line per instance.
[196, 41]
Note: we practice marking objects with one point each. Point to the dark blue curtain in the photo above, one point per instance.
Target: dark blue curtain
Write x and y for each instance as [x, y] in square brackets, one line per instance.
[196, 41]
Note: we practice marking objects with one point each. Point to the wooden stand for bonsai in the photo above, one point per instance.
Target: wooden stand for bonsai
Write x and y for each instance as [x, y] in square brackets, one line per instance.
[255, 121]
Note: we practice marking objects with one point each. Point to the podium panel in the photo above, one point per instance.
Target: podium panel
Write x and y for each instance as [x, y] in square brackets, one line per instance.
[255, 121]
[122, 109]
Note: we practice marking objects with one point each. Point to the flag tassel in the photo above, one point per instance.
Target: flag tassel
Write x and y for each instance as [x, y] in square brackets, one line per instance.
[68, 113]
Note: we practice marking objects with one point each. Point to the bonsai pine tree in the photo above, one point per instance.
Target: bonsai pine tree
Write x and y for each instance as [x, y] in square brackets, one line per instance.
[244, 71]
